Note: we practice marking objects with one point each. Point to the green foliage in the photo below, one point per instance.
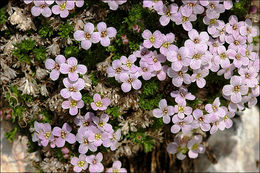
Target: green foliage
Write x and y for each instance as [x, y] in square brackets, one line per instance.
[157, 124]
[240, 8]
[71, 51]
[3, 16]
[46, 31]
[23, 50]
[87, 98]
[149, 103]
[17, 112]
[47, 116]
[114, 111]
[65, 30]
[150, 88]
[256, 40]
[27, 49]
[142, 138]
[93, 78]
[40, 53]
[134, 16]
[11, 134]
[58, 154]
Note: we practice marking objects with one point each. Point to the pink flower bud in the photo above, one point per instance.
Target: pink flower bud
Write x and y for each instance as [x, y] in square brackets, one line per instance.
[65, 150]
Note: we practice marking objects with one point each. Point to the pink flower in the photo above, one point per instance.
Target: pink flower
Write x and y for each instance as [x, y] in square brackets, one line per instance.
[95, 164]
[179, 77]
[249, 76]
[181, 95]
[228, 71]
[222, 57]
[212, 21]
[239, 57]
[146, 70]
[161, 74]
[50, 64]
[181, 109]
[179, 58]
[100, 104]
[164, 111]
[201, 120]
[184, 17]
[113, 4]
[62, 8]
[193, 6]
[199, 56]
[236, 42]
[41, 7]
[167, 13]
[195, 146]
[105, 33]
[157, 5]
[248, 30]
[220, 31]
[198, 76]
[72, 68]
[129, 81]
[152, 40]
[116, 167]
[197, 40]
[233, 27]
[128, 63]
[79, 163]
[181, 124]
[72, 105]
[167, 45]
[88, 36]
[236, 89]
[115, 70]
[215, 108]
[72, 89]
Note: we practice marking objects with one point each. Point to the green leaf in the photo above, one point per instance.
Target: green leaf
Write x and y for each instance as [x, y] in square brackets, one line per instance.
[114, 111]
[11, 134]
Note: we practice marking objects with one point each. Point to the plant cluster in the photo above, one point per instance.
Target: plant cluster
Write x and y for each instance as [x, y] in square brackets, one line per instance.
[163, 71]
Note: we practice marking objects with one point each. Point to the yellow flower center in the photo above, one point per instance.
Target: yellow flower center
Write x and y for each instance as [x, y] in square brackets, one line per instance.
[212, 21]
[247, 75]
[214, 108]
[86, 123]
[223, 55]
[196, 41]
[152, 39]
[185, 19]
[237, 88]
[86, 141]
[128, 64]
[180, 73]
[179, 57]
[130, 80]
[165, 111]
[198, 76]
[63, 6]
[81, 163]
[168, 13]
[144, 69]
[181, 109]
[235, 27]
[87, 35]
[103, 33]
[195, 146]
[99, 104]
[115, 171]
[97, 136]
[166, 44]
[73, 103]
[155, 60]
[72, 89]
[47, 135]
[101, 123]
[237, 57]
[63, 134]
[197, 56]
[72, 69]
[236, 42]
[225, 117]
[190, 4]
[43, 6]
